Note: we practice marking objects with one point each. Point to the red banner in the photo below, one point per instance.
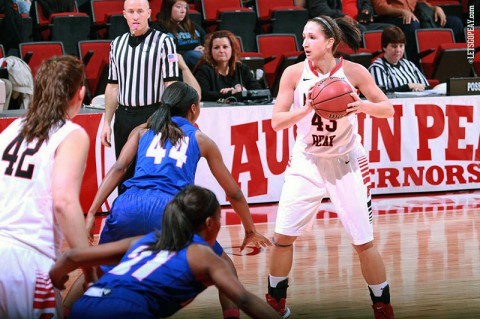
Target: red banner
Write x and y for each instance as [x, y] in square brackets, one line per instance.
[431, 144]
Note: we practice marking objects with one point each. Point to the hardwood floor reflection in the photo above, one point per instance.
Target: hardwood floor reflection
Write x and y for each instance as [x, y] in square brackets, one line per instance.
[430, 245]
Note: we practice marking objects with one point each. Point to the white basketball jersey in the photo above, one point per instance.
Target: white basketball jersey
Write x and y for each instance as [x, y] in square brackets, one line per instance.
[319, 136]
[26, 205]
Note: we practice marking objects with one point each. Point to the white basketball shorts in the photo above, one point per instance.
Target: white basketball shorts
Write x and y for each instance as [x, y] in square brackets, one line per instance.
[345, 179]
[25, 287]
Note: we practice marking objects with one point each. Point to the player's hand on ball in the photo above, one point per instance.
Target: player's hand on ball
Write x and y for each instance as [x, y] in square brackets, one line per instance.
[355, 106]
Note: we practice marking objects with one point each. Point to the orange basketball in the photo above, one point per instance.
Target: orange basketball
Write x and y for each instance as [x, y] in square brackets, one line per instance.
[330, 97]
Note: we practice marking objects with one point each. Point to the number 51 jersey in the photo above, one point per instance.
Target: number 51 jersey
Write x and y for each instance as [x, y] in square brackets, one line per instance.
[26, 213]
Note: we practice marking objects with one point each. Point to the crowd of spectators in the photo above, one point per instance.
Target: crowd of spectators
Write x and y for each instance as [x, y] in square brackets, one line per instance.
[219, 83]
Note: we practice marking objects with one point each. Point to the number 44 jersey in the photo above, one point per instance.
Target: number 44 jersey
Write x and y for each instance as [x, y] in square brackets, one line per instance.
[168, 168]
[26, 170]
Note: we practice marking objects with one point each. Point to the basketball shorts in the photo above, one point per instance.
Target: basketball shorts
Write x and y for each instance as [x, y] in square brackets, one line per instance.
[25, 287]
[135, 212]
[344, 179]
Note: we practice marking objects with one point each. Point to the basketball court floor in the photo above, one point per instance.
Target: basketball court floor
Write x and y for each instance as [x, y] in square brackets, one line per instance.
[430, 244]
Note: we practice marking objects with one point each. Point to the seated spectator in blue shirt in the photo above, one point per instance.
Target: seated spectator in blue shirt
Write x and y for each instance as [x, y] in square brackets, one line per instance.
[173, 19]
[392, 72]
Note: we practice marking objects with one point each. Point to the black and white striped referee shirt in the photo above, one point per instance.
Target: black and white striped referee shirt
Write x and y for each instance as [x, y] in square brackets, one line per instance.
[141, 66]
[395, 78]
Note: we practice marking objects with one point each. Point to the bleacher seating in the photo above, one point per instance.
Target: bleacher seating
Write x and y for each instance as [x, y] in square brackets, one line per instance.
[95, 56]
[69, 28]
[33, 53]
[269, 18]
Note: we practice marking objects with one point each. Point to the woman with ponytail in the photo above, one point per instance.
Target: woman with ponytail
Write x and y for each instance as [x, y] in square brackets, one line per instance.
[161, 272]
[167, 149]
[337, 168]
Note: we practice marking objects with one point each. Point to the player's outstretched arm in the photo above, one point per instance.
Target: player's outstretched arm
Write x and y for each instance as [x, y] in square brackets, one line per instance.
[234, 194]
[115, 174]
[209, 268]
[104, 254]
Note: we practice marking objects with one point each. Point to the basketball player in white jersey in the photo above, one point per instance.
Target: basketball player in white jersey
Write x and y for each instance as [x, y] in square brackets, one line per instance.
[43, 156]
[328, 159]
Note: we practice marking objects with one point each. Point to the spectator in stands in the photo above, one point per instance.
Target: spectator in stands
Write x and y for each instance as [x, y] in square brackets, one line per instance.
[23, 6]
[392, 72]
[357, 12]
[220, 73]
[173, 19]
[411, 15]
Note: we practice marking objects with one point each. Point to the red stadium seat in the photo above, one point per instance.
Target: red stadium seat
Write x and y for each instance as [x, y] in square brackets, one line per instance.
[428, 41]
[281, 47]
[101, 11]
[33, 53]
[95, 54]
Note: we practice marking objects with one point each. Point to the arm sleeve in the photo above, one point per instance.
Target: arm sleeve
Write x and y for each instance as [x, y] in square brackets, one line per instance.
[323, 7]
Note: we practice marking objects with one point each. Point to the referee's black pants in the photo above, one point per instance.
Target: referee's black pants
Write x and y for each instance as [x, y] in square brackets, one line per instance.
[126, 119]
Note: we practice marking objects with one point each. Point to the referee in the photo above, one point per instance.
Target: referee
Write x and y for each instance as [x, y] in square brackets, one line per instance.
[142, 63]
[392, 72]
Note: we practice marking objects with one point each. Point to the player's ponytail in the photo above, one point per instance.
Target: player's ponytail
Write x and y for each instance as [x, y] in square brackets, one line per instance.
[177, 99]
[184, 215]
[340, 30]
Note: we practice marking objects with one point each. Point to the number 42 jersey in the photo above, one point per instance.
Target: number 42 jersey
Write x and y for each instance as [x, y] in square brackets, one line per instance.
[26, 213]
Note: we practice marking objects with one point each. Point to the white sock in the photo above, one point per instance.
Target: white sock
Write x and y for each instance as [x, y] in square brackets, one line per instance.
[378, 289]
[275, 280]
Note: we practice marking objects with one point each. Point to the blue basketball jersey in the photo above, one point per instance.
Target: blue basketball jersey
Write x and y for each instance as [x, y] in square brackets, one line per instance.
[169, 168]
[159, 283]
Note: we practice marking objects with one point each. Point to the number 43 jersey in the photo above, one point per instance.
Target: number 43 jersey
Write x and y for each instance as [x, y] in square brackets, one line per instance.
[168, 168]
[26, 213]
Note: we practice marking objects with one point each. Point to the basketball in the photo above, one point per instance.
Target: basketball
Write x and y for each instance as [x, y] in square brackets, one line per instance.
[330, 97]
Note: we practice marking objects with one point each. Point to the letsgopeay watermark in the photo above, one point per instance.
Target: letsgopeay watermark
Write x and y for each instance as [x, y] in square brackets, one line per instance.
[470, 34]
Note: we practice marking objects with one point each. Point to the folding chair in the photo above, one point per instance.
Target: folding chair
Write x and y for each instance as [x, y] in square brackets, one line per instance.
[33, 53]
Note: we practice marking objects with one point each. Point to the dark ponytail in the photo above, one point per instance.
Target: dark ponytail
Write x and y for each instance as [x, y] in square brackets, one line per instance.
[183, 216]
[341, 30]
[177, 99]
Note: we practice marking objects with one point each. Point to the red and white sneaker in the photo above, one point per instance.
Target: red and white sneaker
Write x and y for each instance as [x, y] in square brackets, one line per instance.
[383, 311]
[280, 307]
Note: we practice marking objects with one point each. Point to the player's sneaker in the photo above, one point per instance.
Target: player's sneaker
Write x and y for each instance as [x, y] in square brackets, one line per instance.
[383, 311]
[280, 306]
